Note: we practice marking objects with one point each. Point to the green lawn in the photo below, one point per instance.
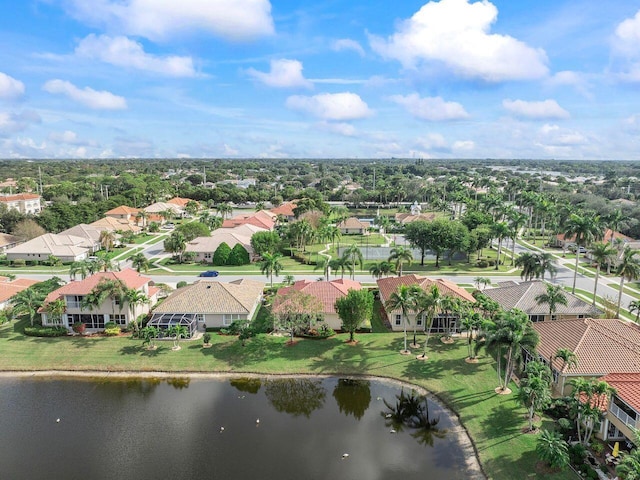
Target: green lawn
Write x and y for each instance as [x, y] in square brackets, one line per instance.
[493, 421]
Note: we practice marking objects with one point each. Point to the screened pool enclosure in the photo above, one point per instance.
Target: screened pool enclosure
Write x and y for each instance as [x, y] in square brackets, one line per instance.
[164, 321]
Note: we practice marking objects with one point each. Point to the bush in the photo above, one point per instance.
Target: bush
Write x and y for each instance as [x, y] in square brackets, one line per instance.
[112, 331]
[206, 338]
[79, 327]
[154, 227]
[235, 328]
[321, 330]
[181, 284]
[110, 325]
[482, 264]
[40, 331]
[19, 262]
[238, 256]
[221, 255]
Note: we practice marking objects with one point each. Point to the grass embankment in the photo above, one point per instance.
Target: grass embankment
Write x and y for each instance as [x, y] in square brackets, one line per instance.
[493, 421]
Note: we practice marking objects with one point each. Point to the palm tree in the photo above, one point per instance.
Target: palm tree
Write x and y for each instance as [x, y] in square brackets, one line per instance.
[381, 269]
[176, 244]
[342, 264]
[545, 263]
[353, 255]
[271, 264]
[107, 239]
[135, 298]
[177, 331]
[500, 231]
[167, 214]
[481, 281]
[116, 290]
[628, 269]
[224, 210]
[634, 306]
[534, 392]
[585, 229]
[528, 262]
[517, 221]
[400, 255]
[81, 267]
[404, 299]
[140, 262]
[428, 305]
[142, 215]
[55, 309]
[568, 358]
[629, 466]
[27, 302]
[553, 297]
[324, 264]
[551, 448]
[600, 252]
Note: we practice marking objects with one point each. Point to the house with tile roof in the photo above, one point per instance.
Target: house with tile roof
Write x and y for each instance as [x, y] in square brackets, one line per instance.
[25, 203]
[182, 202]
[123, 212]
[354, 226]
[113, 224]
[565, 242]
[442, 321]
[623, 412]
[523, 297]
[9, 241]
[262, 219]
[285, 210]
[90, 232]
[327, 292]
[68, 248]
[601, 346]
[8, 288]
[159, 207]
[205, 247]
[111, 310]
[209, 303]
[405, 218]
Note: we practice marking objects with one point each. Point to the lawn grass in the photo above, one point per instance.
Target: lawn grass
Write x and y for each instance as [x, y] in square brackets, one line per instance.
[494, 422]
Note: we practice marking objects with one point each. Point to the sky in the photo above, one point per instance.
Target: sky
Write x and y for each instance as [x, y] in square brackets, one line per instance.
[556, 79]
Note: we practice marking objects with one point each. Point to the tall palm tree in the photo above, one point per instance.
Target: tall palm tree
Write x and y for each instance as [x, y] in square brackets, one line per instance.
[140, 262]
[381, 269]
[271, 264]
[585, 229]
[116, 290]
[403, 299]
[79, 267]
[553, 297]
[107, 239]
[176, 244]
[500, 231]
[400, 255]
[342, 264]
[354, 255]
[634, 306]
[601, 252]
[142, 215]
[428, 305]
[516, 221]
[546, 263]
[134, 299]
[27, 302]
[528, 262]
[628, 269]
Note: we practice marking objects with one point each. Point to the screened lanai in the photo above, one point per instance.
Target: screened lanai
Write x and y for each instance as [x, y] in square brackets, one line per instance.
[163, 321]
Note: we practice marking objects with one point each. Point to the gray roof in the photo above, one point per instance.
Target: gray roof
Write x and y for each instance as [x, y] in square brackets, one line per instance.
[523, 297]
[213, 297]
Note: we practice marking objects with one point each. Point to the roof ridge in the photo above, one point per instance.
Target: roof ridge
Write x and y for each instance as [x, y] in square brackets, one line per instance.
[226, 287]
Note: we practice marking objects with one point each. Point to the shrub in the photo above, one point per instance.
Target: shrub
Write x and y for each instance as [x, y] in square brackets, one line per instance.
[19, 262]
[221, 255]
[206, 338]
[552, 449]
[40, 331]
[154, 227]
[482, 264]
[181, 284]
[110, 325]
[238, 256]
[79, 327]
[112, 331]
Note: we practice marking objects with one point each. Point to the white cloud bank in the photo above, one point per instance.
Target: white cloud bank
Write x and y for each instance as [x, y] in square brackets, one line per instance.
[456, 34]
[626, 48]
[546, 109]
[159, 20]
[97, 100]
[10, 88]
[433, 109]
[11, 123]
[284, 73]
[123, 52]
[348, 44]
[331, 106]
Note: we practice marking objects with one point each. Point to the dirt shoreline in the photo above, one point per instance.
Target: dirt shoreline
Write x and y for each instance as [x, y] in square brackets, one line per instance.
[472, 463]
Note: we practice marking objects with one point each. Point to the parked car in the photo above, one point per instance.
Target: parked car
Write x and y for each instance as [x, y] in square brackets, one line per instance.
[582, 249]
[209, 273]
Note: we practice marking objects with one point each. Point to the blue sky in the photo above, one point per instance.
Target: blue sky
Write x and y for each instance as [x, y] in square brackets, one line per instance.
[290, 79]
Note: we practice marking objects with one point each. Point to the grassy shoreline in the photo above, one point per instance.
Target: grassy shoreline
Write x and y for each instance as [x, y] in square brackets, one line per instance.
[493, 422]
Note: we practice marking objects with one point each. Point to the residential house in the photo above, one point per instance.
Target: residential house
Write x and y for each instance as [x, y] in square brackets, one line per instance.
[565, 242]
[8, 288]
[25, 203]
[157, 208]
[113, 224]
[90, 232]
[123, 212]
[623, 409]
[523, 297]
[111, 310]
[285, 210]
[209, 303]
[443, 321]
[353, 226]
[182, 202]
[601, 346]
[8, 241]
[405, 218]
[68, 248]
[327, 292]
[263, 219]
[205, 247]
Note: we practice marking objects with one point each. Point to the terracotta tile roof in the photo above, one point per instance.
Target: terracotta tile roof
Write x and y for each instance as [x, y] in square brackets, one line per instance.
[262, 219]
[353, 222]
[19, 196]
[326, 292]
[181, 202]
[601, 346]
[129, 277]
[523, 297]
[607, 236]
[122, 210]
[212, 296]
[627, 387]
[286, 209]
[113, 224]
[9, 289]
[390, 284]
[408, 218]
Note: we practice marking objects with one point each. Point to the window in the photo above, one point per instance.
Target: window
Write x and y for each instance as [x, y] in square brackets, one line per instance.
[398, 319]
[536, 318]
[120, 319]
[229, 318]
[554, 317]
[419, 320]
[74, 301]
[207, 256]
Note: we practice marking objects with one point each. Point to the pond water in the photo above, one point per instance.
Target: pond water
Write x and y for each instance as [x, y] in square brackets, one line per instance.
[197, 429]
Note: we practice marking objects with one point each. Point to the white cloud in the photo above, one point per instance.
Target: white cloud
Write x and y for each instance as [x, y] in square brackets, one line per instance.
[348, 44]
[433, 141]
[10, 88]
[573, 79]
[626, 39]
[433, 109]
[554, 136]
[123, 52]
[331, 106]
[163, 19]
[11, 123]
[546, 109]
[98, 100]
[463, 146]
[456, 34]
[284, 74]
[69, 137]
[340, 128]
[230, 151]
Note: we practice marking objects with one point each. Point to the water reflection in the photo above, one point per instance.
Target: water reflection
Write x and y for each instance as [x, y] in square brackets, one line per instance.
[248, 385]
[296, 396]
[412, 411]
[352, 396]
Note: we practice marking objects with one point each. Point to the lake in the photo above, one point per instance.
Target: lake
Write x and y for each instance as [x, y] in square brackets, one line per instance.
[233, 428]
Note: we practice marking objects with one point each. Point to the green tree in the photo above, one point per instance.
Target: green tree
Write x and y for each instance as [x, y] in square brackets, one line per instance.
[568, 358]
[176, 244]
[534, 392]
[27, 302]
[271, 264]
[400, 255]
[428, 305]
[629, 466]
[552, 449]
[381, 269]
[601, 252]
[404, 299]
[221, 255]
[55, 310]
[135, 298]
[238, 256]
[634, 306]
[265, 242]
[353, 309]
[193, 230]
[353, 255]
[177, 331]
[553, 297]
[296, 310]
[585, 229]
[107, 239]
[500, 231]
[417, 233]
[629, 270]
[140, 262]
[79, 267]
